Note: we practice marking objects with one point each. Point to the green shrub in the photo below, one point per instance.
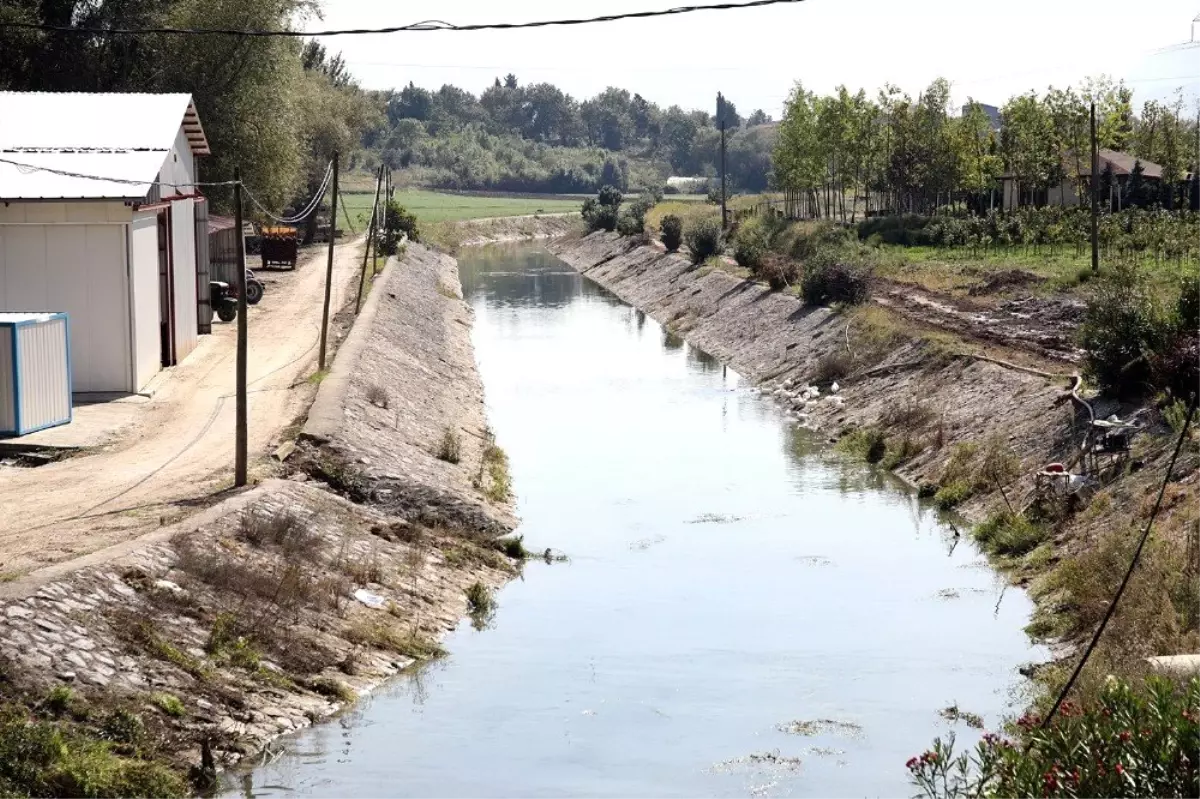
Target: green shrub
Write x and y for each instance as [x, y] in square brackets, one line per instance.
[632, 219]
[828, 281]
[703, 238]
[1006, 533]
[1122, 328]
[671, 232]
[779, 272]
[514, 547]
[169, 704]
[953, 494]
[750, 244]
[1128, 743]
[868, 443]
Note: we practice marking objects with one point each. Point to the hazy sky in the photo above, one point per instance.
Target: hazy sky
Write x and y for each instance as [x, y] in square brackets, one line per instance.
[989, 50]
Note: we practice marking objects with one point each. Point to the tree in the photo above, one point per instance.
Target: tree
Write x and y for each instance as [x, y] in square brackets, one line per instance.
[758, 117]
[1136, 191]
[412, 103]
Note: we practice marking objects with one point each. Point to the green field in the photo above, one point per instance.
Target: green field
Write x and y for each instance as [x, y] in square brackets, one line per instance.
[432, 206]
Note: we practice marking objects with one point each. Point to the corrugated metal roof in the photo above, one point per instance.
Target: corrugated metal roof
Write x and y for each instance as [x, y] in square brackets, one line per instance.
[97, 121]
[126, 137]
[141, 166]
[13, 318]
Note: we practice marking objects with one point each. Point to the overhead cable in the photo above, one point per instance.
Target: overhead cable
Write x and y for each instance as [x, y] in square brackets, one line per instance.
[302, 215]
[428, 25]
[25, 169]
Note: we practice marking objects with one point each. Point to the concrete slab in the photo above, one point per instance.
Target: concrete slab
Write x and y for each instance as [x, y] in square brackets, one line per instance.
[93, 424]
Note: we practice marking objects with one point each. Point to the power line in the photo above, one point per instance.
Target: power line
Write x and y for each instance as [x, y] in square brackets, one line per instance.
[25, 169]
[302, 215]
[415, 27]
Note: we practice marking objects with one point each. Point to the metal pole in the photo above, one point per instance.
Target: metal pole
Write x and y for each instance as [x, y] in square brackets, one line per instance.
[329, 264]
[240, 444]
[1095, 196]
[362, 279]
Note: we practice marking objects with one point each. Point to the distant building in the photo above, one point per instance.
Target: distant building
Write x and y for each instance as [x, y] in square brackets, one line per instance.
[993, 114]
[1067, 193]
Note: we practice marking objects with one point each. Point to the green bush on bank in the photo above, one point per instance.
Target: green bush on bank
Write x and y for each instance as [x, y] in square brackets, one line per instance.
[47, 759]
[703, 238]
[1131, 741]
[671, 232]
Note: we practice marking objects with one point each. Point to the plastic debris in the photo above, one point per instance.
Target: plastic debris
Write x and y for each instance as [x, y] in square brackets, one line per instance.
[369, 599]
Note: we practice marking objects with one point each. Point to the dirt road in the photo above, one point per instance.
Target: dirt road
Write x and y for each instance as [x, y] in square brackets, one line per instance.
[179, 451]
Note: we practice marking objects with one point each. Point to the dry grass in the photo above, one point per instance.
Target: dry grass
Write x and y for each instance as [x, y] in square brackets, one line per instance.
[450, 447]
[377, 395]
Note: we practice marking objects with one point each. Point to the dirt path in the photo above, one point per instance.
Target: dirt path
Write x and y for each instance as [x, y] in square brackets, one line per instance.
[1045, 327]
[179, 451]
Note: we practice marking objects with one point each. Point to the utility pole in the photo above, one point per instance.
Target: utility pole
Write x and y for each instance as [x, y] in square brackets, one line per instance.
[240, 443]
[362, 279]
[329, 263]
[721, 124]
[1095, 197]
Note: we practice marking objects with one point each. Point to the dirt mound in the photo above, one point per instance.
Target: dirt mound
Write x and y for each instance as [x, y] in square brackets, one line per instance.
[1004, 281]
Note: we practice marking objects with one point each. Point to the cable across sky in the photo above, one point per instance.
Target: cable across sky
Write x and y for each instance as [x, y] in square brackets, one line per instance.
[424, 26]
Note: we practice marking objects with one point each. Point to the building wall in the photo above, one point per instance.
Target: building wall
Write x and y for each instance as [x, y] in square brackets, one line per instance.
[183, 265]
[97, 212]
[80, 269]
[143, 284]
[179, 168]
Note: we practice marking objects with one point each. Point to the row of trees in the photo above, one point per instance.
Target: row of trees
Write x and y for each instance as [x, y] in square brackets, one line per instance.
[276, 107]
[898, 154]
[669, 141]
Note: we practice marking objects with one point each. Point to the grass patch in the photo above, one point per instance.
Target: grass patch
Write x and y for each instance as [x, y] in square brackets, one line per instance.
[332, 688]
[481, 605]
[169, 704]
[435, 206]
[59, 700]
[867, 443]
[901, 450]
[377, 395]
[143, 632]
[952, 494]
[225, 645]
[513, 547]
[42, 758]
[381, 635]
[1009, 534]
[318, 377]
[450, 447]
[498, 487]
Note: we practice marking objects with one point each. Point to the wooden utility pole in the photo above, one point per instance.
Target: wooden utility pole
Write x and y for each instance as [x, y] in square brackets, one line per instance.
[1095, 196]
[362, 279]
[240, 442]
[329, 264]
[721, 124]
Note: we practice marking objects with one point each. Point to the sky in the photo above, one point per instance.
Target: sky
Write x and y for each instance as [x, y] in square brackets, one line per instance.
[989, 51]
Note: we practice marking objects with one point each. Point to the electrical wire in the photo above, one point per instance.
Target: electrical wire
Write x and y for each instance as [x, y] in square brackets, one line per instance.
[25, 169]
[415, 27]
[302, 215]
[1137, 554]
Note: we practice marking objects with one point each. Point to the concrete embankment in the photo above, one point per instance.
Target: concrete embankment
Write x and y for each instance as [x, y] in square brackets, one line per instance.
[276, 607]
[781, 344]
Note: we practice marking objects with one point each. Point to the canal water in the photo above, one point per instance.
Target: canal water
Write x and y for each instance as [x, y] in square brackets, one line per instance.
[742, 612]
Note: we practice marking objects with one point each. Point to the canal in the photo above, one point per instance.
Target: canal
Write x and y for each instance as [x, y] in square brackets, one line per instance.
[742, 613]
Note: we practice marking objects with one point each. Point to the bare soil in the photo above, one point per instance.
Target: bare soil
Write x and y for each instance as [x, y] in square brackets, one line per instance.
[178, 452]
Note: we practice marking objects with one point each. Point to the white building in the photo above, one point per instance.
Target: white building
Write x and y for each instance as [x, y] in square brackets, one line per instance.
[119, 255]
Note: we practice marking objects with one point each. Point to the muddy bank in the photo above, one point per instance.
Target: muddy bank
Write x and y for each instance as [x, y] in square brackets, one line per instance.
[883, 375]
[277, 607]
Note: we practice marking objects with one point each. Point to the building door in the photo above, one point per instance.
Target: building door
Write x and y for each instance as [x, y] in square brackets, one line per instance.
[166, 291]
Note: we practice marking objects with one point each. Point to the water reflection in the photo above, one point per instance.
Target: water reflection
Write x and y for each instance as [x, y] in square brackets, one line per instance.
[730, 583]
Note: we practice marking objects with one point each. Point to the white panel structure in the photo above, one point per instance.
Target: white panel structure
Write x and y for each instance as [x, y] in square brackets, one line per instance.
[183, 272]
[35, 372]
[143, 280]
[40, 271]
